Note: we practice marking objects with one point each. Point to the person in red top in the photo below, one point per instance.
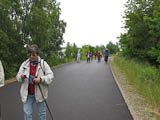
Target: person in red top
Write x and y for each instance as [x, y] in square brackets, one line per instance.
[99, 56]
[33, 69]
[91, 56]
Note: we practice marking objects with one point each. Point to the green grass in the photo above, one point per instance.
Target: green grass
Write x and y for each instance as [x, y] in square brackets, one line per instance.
[144, 77]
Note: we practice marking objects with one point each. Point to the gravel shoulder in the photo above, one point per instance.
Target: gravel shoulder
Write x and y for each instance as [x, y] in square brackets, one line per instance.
[138, 106]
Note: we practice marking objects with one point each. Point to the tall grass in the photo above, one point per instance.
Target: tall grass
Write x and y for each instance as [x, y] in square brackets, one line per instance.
[144, 77]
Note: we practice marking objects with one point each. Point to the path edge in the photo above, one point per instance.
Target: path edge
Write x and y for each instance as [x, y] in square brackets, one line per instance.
[132, 112]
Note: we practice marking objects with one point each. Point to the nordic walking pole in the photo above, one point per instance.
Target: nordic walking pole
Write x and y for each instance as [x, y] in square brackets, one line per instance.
[45, 101]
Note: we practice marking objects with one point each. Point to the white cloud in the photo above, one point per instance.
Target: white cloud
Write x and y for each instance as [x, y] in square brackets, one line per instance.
[94, 22]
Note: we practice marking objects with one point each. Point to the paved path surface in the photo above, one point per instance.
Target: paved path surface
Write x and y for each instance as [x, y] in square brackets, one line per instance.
[81, 91]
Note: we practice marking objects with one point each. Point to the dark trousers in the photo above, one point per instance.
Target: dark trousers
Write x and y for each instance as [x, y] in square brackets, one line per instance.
[88, 59]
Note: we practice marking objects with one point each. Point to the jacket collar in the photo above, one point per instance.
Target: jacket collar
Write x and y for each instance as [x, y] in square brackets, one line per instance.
[27, 62]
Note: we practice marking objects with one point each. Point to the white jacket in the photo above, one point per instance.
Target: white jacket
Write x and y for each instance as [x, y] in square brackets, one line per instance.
[1, 75]
[43, 71]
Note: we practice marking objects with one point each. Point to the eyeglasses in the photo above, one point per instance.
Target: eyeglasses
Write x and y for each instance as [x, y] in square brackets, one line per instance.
[32, 54]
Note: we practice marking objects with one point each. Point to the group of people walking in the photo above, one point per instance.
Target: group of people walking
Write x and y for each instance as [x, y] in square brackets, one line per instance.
[89, 56]
[98, 56]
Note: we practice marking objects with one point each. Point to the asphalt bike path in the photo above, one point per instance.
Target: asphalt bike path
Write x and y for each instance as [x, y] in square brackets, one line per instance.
[81, 91]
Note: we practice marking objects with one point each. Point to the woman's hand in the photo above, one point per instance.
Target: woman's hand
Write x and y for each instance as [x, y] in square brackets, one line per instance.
[36, 80]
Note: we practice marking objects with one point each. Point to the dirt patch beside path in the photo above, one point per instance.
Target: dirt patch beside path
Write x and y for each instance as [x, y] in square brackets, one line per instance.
[138, 106]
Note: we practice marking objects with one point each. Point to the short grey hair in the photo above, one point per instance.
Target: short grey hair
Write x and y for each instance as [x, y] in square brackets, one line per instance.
[33, 49]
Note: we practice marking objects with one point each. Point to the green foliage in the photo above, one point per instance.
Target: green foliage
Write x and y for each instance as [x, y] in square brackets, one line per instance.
[85, 49]
[112, 48]
[43, 27]
[68, 52]
[143, 76]
[11, 47]
[71, 51]
[29, 22]
[142, 23]
[54, 60]
[74, 51]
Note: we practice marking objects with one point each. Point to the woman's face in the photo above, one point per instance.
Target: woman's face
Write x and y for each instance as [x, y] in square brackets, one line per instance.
[33, 56]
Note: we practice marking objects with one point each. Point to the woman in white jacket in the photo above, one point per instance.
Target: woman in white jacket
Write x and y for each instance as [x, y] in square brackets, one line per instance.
[1, 75]
[78, 56]
[33, 72]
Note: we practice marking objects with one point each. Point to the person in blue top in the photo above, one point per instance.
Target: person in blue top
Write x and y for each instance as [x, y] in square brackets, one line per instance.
[106, 54]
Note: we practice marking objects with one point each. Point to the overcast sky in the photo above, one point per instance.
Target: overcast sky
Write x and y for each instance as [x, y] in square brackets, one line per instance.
[94, 22]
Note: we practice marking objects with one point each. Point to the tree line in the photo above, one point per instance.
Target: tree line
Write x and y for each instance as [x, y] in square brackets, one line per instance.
[72, 49]
[142, 25]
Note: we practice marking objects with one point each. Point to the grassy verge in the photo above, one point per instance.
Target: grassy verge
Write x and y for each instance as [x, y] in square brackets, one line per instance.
[144, 77]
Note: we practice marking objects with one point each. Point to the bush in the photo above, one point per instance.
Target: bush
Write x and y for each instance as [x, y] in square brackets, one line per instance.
[54, 60]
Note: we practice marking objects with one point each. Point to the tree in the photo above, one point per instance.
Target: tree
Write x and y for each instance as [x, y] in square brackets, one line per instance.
[74, 51]
[11, 47]
[29, 22]
[141, 40]
[85, 49]
[68, 51]
[113, 48]
[44, 27]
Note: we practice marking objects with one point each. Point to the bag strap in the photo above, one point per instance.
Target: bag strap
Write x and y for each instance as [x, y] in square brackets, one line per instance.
[43, 67]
